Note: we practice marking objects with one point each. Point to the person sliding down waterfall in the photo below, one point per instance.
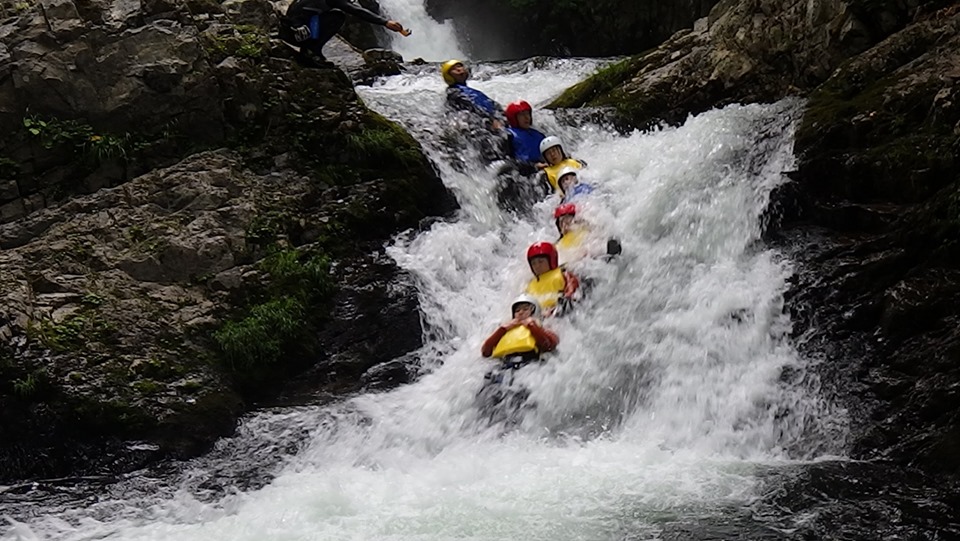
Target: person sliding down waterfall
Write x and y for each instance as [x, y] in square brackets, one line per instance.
[516, 343]
[472, 117]
[517, 191]
[524, 138]
[461, 97]
[520, 340]
[552, 285]
[575, 239]
[552, 150]
[570, 186]
[309, 24]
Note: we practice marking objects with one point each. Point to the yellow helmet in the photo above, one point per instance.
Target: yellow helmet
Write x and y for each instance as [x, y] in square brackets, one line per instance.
[445, 70]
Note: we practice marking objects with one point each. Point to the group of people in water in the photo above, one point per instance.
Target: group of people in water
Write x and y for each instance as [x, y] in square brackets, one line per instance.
[553, 288]
[309, 24]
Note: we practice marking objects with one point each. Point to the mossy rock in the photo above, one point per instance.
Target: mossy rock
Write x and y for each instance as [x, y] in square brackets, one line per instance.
[595, 90]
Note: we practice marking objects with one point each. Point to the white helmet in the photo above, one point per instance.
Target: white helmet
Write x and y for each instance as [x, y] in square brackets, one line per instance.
[526, 299]
[550, 142]
[564, 171]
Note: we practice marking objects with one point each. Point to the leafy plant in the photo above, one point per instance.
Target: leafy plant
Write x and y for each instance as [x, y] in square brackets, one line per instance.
[31, 385]
[74, 333]
[279, 326]
[81, 139]
[261, 337]
[246, 41]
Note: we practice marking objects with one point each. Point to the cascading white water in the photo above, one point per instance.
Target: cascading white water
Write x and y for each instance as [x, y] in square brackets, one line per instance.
[431, 41]
[664, 396]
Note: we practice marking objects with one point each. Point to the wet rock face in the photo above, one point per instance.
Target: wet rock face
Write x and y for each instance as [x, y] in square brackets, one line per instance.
[880, 145]
[499, 29]
[149, 293]
[871, 217]
[742, 52]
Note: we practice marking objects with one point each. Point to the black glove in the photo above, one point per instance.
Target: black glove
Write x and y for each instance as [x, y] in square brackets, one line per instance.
[301, 33]
[613, 247]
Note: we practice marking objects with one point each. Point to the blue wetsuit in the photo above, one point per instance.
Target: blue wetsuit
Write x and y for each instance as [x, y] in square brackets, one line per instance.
[464, 98]
[525, 144]
[324, 18]
[578, 190]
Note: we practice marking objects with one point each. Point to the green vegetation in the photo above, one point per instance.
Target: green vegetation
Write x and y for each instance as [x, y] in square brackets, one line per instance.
[144, 242]
[266, 228]
[246, 41]
[80, 138]
[279, 326]
[263, 335]
[383, 142]
[9, 169]
[74, 333]
[14, 9]
[32, 385]
[147, 386]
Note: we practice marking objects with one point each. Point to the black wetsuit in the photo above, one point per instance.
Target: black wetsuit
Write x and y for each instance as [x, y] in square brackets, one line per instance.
[332, 14]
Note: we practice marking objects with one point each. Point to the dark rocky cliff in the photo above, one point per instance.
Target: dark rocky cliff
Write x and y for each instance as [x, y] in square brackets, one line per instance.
[187, 220]
[500, 29]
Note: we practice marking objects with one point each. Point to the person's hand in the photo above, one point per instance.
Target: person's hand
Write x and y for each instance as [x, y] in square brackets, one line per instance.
[397, 27]
[301, 33]
[510, 324]
[496, 125]
[541, 166]
[527, 322]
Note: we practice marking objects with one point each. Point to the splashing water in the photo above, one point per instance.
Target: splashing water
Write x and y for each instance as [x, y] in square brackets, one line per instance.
[431, 41]
[664, 398]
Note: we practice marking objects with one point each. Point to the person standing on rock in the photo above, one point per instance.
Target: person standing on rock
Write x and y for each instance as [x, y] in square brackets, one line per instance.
[310, 24]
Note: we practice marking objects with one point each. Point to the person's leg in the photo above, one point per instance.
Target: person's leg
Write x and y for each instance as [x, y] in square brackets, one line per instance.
[330, 24]
[295, 21]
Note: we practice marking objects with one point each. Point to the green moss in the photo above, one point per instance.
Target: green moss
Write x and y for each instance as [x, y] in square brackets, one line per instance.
[594, 88]
[190, 386]
[266, 228]
[157, 368]
[147, 386]
[835, 104]
[244, 41]
[383, 142]
[377, 145]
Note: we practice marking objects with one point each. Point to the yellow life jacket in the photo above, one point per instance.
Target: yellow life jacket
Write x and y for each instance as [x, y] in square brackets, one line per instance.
[547, 287]
[553, 170]
[517, 340]
[571, 246]
[571, 240]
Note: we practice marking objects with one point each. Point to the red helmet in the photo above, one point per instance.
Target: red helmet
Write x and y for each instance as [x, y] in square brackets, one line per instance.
[515, 109]
[566, 209]
[544, 248]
